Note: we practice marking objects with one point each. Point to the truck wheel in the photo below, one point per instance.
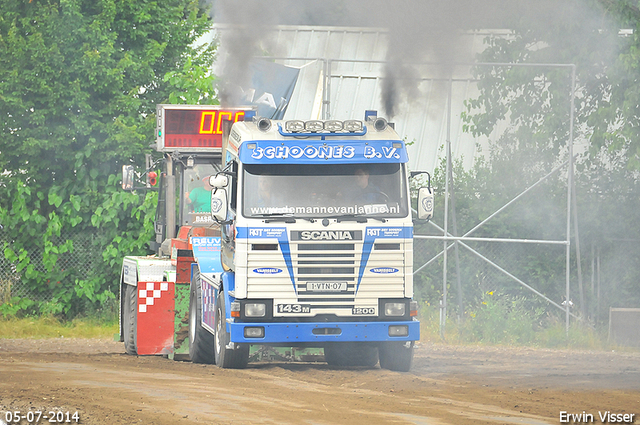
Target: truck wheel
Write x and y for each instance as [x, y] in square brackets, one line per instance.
[351, 354]
[397, 356]
[227, 357]
[200, 340]
[130, 318]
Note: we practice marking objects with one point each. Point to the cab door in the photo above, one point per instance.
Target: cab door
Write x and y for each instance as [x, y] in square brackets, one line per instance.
[228, 230]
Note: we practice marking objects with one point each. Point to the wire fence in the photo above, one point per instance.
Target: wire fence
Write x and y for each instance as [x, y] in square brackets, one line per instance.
[609, 274]
[79, 263]
[608, 278]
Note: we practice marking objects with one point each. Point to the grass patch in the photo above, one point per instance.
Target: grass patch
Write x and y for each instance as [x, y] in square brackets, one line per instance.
[506, 321]
[51, 327]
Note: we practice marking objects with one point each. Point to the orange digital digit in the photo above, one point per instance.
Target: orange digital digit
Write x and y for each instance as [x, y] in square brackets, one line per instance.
[239, 115]
[204, 129]
[229, 115]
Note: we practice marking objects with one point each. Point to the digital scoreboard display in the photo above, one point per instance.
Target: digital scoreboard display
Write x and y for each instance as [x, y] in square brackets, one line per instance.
[190, 127]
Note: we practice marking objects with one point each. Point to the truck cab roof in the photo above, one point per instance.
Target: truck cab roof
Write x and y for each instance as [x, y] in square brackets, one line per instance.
[276, 141]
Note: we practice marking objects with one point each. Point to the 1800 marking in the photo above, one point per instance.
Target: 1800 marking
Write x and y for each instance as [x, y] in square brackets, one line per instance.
[294, 308]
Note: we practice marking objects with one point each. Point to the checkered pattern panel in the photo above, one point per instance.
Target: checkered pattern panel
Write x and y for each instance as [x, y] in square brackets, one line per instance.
[152, 292]
[208, 300]
[207, 296]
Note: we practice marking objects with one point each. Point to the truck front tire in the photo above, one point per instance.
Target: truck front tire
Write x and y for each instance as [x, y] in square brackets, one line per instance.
[200, 340]
[397, 356]
[130, 318]
[227, 358]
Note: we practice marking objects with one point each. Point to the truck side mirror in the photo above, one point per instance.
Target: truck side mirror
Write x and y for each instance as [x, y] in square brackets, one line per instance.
[219, 181]
[127, 177]
[425, 203]
[219, 205]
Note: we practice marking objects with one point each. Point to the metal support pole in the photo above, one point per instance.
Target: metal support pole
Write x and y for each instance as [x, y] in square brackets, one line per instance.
[326, 92]
[323, 107]
[583, 302]
[569, 187]
[170, 204]
[454, 220]
[598, 282]
[443, 304]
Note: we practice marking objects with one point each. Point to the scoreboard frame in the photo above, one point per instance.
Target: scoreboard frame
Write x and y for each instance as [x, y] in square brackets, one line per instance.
[194, 128]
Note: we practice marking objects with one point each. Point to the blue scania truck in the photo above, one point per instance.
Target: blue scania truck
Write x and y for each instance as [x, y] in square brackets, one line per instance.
[315, 246]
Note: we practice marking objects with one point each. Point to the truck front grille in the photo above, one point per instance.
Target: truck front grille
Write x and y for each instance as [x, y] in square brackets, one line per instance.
[324, 277]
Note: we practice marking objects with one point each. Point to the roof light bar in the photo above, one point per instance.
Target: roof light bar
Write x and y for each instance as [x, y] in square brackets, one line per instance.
[333, 128]
[333, 125]
[353, 126]
[314, 126]
[294, 126]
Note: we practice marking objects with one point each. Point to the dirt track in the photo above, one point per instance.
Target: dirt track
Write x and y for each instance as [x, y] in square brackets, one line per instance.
[447, 385]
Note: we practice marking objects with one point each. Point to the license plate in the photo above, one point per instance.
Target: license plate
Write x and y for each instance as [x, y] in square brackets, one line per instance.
[327, 286]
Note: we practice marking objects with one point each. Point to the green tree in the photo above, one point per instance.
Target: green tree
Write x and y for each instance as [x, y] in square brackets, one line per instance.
[79, 81]
[600, 37]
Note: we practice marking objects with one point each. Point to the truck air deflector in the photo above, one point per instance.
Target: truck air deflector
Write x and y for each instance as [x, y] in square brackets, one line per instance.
[323, 151]
[371, 235]
[308, 332]
[279, 233]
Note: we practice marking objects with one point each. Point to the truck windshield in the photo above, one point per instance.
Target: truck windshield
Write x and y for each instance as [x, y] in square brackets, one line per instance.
[332, 190]
[196, 204]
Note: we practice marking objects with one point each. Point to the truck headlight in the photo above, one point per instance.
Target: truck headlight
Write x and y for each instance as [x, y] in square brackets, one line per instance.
[394, 309]
[398, 330]
[254, 310]
[254, 332]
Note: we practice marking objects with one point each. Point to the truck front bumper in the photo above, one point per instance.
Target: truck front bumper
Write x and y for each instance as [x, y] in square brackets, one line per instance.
[273, 333]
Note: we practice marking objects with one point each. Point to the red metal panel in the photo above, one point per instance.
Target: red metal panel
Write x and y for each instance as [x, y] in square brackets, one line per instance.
[179, 244]
[183, 233]
[156, 311]
[183, 268]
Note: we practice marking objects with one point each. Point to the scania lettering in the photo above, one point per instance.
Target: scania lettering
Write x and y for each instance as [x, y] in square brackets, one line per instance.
[311, 235]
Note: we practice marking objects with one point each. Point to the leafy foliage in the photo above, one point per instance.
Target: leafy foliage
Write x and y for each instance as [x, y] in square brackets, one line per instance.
[79, 81]
[526, 111]
[536, 99]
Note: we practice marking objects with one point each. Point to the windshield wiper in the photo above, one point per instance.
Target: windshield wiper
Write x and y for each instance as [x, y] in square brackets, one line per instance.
[277, 217]
[359, 218]
[350, 217]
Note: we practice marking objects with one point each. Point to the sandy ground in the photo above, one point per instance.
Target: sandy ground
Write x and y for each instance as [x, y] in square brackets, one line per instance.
[447, 385]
